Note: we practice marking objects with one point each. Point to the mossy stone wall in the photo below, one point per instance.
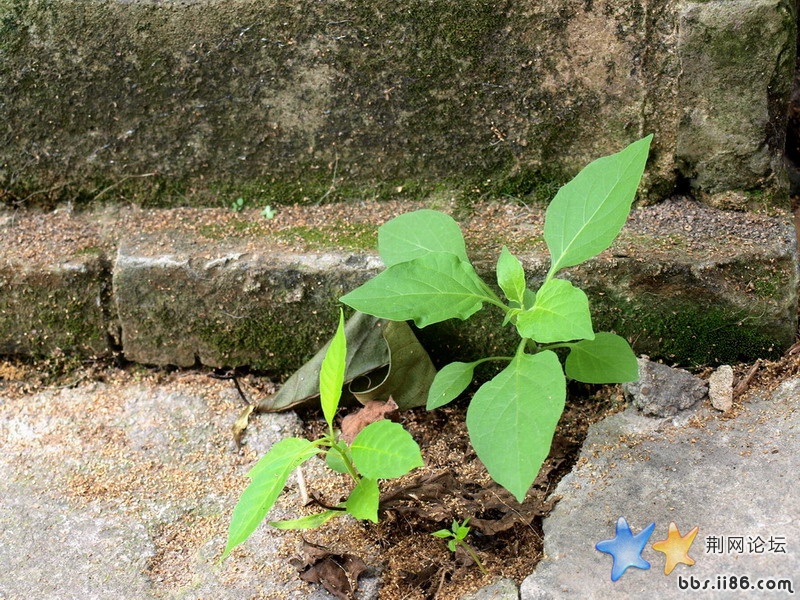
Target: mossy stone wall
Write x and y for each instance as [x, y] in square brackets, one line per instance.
[202, 102]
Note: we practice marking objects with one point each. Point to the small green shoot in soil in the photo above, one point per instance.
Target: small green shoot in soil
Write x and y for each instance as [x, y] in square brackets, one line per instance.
[429, 278]
[455, 537]
[382, 450]
[238, 205]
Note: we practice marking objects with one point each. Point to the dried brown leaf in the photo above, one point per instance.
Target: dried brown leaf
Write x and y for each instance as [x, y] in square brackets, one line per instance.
[373, 411]
[337, 573]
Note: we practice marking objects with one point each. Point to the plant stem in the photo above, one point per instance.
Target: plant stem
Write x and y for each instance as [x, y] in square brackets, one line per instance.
[351, 469]
[472, 554]
[330, 441]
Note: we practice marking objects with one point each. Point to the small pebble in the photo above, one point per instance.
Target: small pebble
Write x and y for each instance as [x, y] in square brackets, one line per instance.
[720, 388]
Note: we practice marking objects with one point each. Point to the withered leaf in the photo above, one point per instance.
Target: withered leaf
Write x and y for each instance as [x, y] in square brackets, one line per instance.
[241, 423]
[372, 411]
[337, 573]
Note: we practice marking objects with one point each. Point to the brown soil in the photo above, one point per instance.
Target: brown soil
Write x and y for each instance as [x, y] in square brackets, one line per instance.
[454, 485]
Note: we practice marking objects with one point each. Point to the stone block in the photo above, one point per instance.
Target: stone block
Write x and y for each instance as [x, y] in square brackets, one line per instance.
[184, 302]
[737, 60]
[56, 308]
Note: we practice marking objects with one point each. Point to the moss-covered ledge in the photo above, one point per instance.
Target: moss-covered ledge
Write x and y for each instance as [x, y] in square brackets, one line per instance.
[688, 283]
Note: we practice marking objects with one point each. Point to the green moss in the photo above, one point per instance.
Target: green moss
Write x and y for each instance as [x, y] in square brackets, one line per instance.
[262, 342]
[693, 335]
[239, 228]
[349, 236]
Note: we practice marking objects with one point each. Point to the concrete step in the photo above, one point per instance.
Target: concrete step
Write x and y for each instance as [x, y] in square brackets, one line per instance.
[221, 288]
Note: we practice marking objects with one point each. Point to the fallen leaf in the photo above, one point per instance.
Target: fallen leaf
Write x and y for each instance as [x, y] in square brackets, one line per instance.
[240, 424]
[373, 411]
[383, 358]
[337, 573]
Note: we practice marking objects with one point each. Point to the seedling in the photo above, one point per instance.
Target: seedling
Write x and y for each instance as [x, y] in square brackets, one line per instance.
[455, 537]
[268, 212]
[237, 205]
[382, 450]
[429, 278]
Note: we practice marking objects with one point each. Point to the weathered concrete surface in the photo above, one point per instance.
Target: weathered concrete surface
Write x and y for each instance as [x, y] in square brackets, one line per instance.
[207, 101]
[685, 282]
[124, 490]
[729, 108]
[729, 477]
[182, 301]
[55, 307]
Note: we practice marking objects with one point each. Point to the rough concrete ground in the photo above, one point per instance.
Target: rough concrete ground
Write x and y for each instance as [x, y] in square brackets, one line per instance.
[122, 489]
[733, 478]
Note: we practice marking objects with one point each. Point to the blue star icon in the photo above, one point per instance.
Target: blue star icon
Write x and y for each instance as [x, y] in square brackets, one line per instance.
[626, 548]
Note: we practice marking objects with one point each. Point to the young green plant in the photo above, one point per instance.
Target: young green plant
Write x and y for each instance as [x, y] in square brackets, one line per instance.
[382, 450]
[428, 278]
[455, 538]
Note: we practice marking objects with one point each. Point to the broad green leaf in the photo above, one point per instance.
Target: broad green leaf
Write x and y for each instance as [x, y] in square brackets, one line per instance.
[384, 450]
[363, 500]
[559, 314]
[512, 418]
[269, 476]
[607, 358]
[331, 375]
[588, 212]
[418, 233]
[449, 382]
[511, 276]
[428, 289]
[308, 522]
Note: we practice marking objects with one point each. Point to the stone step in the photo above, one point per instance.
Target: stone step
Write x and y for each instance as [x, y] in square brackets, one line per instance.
[181, 287]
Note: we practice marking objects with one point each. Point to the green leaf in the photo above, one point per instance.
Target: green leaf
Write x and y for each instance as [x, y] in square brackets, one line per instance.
[607, 358]
[269, 476]
[428, 289]
[462, 533]
[331, 375]
[442, 533]
[335, 461]
[363, 500]
[308, 522]
[512, 418]
[384, 450]
[588, 212]
[511, 276]
[418, 233]
[449, 382]
[409, 373]
[560, 313]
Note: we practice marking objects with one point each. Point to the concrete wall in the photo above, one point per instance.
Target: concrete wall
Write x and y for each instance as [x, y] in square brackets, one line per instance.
[205, 101]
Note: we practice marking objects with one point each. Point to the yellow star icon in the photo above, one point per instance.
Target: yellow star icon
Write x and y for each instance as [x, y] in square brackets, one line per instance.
[676, 547]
